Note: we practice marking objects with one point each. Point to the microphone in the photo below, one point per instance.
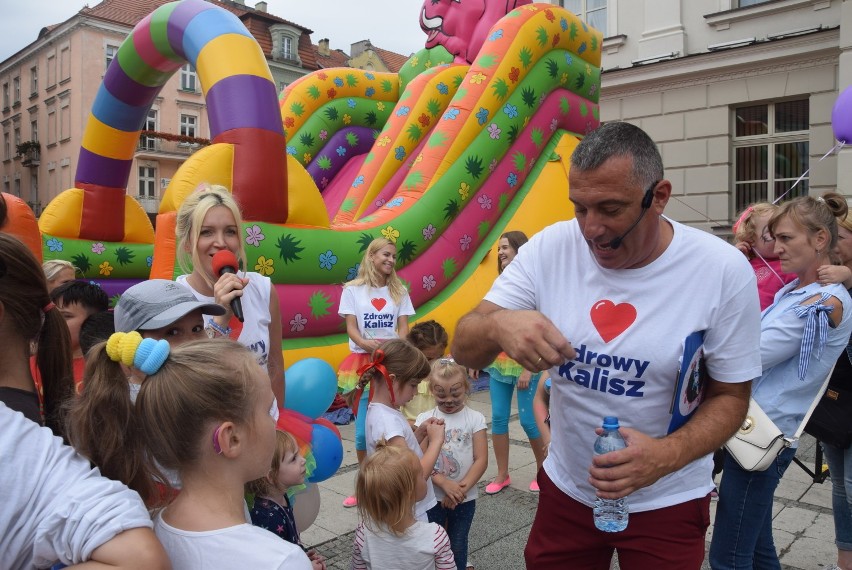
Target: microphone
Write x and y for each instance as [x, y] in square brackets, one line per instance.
[616, 242]
[225, 261]
[647, 200]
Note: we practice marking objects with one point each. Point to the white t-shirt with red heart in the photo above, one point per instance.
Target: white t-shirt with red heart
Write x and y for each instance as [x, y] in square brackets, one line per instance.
[375, 310]
[628, 327]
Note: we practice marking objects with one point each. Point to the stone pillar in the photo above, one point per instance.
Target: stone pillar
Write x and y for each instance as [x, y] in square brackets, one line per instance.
[663, 29]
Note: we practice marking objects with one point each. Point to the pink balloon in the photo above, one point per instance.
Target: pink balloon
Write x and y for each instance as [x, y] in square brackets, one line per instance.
[841, 117]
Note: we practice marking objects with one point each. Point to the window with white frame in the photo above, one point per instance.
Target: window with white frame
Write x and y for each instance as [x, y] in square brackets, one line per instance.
[110, 52]
[65, 118]
[188, 78]
[287, 47]
[34, 130]
[770, 151]
[34, 190]
[7, 146]
[65, 64]
[5, 95]
[51, 125]
[51, 70]
[17, 136]
[34, 79]
[16, 90]
[147, 182]
[593, 12]
[18, 187]
[188, 125]
[146, 142]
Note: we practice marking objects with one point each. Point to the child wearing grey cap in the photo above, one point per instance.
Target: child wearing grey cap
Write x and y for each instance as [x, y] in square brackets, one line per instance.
[162, 309]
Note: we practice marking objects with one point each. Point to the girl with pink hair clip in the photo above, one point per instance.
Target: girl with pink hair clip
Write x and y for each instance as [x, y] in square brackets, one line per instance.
[757, 243]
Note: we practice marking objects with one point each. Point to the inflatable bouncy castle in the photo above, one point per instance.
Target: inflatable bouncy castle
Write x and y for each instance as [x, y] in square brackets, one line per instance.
[472, 138]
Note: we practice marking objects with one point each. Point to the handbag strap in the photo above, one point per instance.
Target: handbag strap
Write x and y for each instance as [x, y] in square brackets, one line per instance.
[813, 405]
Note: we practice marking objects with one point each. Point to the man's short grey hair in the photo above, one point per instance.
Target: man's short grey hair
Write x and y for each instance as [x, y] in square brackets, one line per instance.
[620, 139]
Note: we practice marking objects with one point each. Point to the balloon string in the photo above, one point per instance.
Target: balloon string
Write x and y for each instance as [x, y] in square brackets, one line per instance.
[757, 253]
[697, 211]
[837, 147]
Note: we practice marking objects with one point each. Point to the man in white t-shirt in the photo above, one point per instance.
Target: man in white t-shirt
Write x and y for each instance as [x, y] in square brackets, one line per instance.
[637, 294]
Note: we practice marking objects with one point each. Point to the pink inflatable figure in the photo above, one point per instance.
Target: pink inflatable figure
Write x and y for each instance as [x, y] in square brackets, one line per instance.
[461, 26]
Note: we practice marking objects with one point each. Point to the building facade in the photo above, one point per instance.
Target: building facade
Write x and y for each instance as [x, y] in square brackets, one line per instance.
[366, 56]
[737, 93]
[48, 87]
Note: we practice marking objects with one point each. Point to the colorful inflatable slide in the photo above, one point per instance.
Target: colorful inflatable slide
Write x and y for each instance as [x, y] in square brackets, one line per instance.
[472, 138]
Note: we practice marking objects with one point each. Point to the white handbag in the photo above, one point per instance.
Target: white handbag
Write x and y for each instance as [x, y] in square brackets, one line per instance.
[759, 441]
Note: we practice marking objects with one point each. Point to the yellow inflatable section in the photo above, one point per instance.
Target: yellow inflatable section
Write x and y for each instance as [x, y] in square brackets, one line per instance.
[214, 165]
[545, 204]
[62, 217]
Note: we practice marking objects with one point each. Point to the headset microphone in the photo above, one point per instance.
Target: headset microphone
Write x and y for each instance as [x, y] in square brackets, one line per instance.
[647, 200]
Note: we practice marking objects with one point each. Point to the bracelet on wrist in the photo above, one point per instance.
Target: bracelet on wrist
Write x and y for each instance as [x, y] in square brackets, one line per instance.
[217, 329]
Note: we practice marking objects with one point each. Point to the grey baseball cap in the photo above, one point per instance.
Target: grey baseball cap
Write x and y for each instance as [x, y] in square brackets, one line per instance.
[155, 303]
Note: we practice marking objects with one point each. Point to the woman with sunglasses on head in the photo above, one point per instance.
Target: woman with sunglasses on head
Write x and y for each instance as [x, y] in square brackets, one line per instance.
[836, 443]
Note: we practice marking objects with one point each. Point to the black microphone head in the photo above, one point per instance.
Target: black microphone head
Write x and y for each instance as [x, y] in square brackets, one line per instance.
[616, 242]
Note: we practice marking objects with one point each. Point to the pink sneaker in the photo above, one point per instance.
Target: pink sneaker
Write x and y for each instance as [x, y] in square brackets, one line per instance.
[494, 487]
[534, 486]
[350, 502]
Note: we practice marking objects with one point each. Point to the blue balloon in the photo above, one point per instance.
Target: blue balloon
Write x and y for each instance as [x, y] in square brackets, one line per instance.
[328, 452]
[310, 387]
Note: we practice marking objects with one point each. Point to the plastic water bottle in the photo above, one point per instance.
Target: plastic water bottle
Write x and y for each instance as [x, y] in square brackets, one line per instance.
[610, 514]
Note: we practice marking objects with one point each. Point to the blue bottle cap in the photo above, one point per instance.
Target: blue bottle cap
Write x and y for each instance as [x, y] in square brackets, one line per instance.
[610, 422]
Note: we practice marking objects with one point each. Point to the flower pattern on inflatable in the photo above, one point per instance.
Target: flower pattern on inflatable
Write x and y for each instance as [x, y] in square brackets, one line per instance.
[436, 158]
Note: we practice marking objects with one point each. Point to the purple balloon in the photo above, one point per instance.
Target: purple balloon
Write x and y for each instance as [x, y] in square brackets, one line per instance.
[841, 117]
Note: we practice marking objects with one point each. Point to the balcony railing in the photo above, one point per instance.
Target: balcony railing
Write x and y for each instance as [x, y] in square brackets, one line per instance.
[167, 143]
[30, 153]
[150, 204]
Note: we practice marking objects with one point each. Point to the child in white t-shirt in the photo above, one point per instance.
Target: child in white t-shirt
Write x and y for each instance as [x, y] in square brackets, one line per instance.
[206, 409]
[389, 483]
[432, 340]
[464, 455]
[376, 307]
[393, 375]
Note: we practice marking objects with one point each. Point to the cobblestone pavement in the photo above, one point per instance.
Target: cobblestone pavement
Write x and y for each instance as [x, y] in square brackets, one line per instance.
[802, 521]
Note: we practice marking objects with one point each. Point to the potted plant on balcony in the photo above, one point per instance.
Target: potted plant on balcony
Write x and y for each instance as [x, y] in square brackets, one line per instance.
[30, 152]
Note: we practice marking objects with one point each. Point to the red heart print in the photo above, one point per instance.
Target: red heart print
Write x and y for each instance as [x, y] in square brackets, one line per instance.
[610, 319]
[378, 303]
